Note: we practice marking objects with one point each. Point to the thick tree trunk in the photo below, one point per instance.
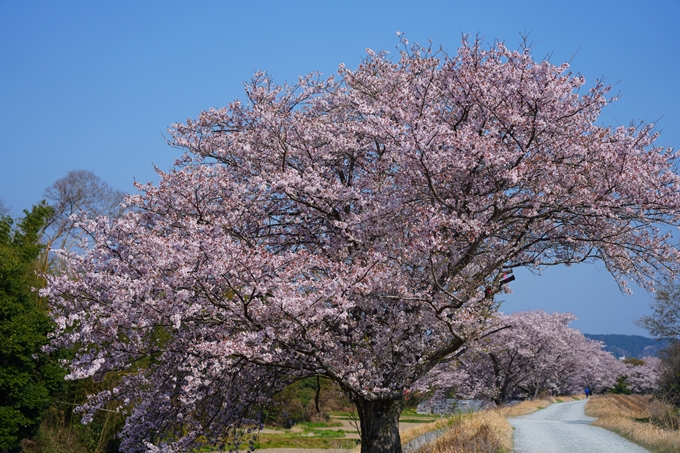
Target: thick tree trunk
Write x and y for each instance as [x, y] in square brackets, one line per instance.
[379, 422]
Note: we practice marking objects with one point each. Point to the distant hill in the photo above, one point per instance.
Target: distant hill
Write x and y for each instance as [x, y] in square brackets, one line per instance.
[630, 345]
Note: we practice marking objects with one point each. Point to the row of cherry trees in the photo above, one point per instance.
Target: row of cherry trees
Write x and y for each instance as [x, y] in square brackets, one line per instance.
[528, 353]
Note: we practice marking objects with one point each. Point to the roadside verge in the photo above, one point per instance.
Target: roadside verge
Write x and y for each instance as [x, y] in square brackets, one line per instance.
[637, 418]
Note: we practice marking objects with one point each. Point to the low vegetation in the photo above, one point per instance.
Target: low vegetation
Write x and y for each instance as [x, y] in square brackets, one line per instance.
[302, 436]
[410, 434]
[639, 418]
[480, 432]
[306, 401]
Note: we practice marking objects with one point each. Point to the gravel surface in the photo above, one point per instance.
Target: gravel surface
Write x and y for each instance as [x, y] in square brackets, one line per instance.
[564, 427]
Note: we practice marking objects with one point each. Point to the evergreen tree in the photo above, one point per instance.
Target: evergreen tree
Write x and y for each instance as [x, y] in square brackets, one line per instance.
[28, 376]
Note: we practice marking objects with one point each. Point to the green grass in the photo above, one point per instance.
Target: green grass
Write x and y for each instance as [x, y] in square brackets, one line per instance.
[308, 438]
[326, 433]
[311, 425]
[419, 420]
[338, 414]
[408, 416]
[292, 441]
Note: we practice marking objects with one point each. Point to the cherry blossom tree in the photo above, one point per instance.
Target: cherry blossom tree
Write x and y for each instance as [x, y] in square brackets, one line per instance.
[600, 372]
[356, 228]
[642, 376]
[527, 353]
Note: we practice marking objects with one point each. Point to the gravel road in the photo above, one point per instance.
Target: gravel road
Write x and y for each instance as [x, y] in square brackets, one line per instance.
[564, 427]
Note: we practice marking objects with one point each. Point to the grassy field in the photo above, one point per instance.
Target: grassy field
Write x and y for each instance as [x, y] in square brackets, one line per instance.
[332, 434]
[339, 432]
[639, 419]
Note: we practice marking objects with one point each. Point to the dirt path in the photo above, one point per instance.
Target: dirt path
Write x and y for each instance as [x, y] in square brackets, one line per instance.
[565, 428]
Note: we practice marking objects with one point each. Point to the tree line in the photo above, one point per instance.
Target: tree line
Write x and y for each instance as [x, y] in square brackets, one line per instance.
[535, 353]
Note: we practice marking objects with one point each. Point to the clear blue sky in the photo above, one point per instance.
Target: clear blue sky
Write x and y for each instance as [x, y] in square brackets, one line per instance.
[94, 85]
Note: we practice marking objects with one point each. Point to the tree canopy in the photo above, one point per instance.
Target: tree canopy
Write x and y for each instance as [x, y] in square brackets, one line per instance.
[356, 228]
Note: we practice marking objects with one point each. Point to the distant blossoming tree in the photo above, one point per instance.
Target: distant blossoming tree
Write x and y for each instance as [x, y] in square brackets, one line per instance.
[534, 352]
[642, 376]
[354, 228]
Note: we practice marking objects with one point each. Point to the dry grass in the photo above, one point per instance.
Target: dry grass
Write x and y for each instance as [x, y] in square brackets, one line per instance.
[529, 406]
[408, 435]
[480, 432]
[633, 416]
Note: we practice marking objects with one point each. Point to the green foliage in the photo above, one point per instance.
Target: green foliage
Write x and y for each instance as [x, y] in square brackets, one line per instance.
[312, 425]
[55, 437]
[61, 431]
[266, 441]
[28, 376]
[665, 318]
[621, 386]
[298, 403]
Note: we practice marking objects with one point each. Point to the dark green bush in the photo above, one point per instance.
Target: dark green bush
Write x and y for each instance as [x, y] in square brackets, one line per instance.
[29, 377]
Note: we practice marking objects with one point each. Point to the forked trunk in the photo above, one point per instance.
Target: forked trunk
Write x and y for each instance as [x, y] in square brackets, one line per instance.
[379, 421]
